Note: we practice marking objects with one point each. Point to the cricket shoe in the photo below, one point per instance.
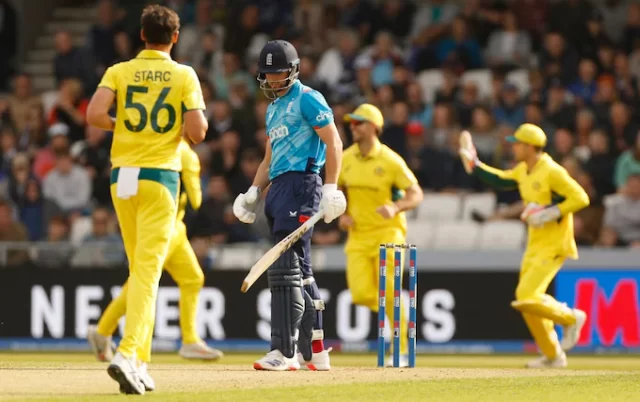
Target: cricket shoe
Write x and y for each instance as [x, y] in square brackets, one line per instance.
[199, 351]
[145, 378]
[276, 361]
[572, 332]
[404, 361]
[319, 361]
[544, 362]
[125, 373]
[103, 347]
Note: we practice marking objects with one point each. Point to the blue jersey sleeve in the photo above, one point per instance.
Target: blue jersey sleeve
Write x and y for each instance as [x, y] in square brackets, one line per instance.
[315, 109]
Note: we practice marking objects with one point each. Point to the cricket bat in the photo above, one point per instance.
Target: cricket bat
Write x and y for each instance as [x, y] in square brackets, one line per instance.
[276, 251]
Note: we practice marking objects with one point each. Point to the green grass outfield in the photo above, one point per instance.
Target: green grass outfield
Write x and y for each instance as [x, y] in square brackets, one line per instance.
[77, 377]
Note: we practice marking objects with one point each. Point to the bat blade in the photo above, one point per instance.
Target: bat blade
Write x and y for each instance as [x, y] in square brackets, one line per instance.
[276, 251]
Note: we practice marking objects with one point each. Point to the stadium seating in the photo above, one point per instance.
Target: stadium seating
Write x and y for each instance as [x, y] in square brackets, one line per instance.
[483, 80]
[430, 81]
[502, 235]
[519, 78]
[457, 236]
[484, 203]
[440, 207]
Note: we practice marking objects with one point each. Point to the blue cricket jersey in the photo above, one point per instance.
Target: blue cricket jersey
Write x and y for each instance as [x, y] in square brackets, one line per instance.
[291, 123]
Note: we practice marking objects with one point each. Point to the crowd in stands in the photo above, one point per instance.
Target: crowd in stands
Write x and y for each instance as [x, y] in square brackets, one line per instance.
[582, 65]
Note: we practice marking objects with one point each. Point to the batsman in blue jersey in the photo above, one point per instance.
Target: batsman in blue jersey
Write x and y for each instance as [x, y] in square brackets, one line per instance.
[302, 139]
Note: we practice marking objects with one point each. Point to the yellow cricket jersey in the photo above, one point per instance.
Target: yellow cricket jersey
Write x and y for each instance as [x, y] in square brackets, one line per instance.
[548, 183]
[152, 93]
[369, 182]
[190, 179]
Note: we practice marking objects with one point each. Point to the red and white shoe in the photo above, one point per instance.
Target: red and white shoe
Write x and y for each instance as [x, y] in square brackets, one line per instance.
[103, 347]
[276, 361]
[319, 361]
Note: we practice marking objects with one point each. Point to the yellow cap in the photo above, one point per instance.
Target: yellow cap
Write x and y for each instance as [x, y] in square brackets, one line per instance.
[529, 134]
[366, 112]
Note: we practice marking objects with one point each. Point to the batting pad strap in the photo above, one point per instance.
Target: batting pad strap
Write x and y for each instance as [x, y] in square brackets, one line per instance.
[319, 305]
[317, 335]
[308, 281]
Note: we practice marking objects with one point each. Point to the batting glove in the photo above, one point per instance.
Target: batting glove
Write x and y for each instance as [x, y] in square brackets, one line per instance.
[245, 205]
[333, 202]
[540, 215]
[468, 152]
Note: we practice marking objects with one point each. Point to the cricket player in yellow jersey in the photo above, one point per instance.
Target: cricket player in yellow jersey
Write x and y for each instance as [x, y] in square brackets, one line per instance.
[182, 264]
[156, 99]
[551, 197]
[371, 173]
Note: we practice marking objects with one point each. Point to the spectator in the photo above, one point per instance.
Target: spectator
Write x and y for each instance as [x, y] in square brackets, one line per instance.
[536, 88]
[244, 27]
[631, 32]
[363, 91]
[45, 158]
[56, 255]
[337, 64]
[600, 164]
[628, 164]
[210, 218]
[249, 162]
[123, 47]
[623, 130]
[563, 144]
[568, 17]
[20, 101]
[585, 123]
[72, 62]
[208, 95]
[71, 109]
[207, 58]
[444, 126]
[102, 35]
[231, 71]
[606, 54]
[18, 178]
[9, 49]
[593, 38]
[31, 210]
[533, 114]
[191, 33]
[356, 15]
[419, 111]
[626, 83]
[459, 52]
[558, 110]
[224, 161]
[9, 149]
[448, 93]
[101, 231]
[485, 133]
[12, 231]
[393, 134]
[242, 104]
[220, 122]
[34, 135]
[308, 76]
[557, 59]
[94, 157]
[394, 16]
[510, 111]
[614, 13]
[532, 17]
[68, 185]
[385, 57]
[308, 17]
[431, 20]
[509, 47]
[605, 96]
[584, 87]
[621, 226]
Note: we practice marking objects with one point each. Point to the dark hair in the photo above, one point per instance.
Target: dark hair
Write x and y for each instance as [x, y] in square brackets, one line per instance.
[159, 24]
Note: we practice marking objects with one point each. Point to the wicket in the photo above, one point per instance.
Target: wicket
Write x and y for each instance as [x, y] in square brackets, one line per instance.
[397, 292]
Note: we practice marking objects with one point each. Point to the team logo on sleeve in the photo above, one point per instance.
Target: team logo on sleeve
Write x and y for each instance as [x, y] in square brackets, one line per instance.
[324, 116]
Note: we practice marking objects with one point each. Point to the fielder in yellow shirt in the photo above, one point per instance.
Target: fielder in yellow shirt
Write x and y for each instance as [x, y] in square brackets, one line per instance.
[551, 197]
[182, 264]
[155, 97]
[371, 174]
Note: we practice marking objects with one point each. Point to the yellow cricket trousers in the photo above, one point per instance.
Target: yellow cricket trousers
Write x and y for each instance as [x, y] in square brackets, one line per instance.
[147, 221]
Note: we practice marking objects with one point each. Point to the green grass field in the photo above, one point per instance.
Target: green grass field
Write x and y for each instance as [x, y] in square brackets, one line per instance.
[77, 377]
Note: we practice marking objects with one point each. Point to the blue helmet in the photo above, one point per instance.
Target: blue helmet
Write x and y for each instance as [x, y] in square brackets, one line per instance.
[277, 56]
